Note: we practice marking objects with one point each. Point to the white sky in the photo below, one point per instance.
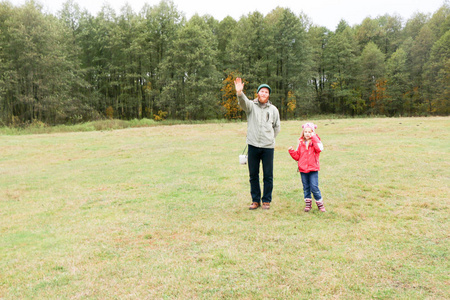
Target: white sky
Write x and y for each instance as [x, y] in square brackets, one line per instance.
[326, 13]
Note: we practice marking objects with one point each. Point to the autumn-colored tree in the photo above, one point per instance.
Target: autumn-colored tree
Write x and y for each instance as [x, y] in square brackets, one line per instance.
[229, 99]
[109, 112]
[378, 97]
[162, 115]
[291, 104]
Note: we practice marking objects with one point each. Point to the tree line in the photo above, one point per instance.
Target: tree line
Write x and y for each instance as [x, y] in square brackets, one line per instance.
[74, 67]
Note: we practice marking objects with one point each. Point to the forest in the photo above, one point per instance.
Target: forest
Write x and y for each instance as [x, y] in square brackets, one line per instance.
[74, 67]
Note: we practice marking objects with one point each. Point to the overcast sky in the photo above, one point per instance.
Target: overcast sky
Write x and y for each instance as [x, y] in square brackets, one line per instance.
[326, 13]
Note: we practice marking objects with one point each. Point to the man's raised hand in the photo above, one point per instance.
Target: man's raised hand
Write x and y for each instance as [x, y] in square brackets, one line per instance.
[239, 85]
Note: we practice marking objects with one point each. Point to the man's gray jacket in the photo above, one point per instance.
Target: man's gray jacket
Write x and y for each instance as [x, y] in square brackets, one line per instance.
[263, 122]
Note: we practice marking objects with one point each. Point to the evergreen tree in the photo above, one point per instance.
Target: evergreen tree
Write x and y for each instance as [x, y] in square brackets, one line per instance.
[289, 59]
[437, 76]
[318, 38]
[225, 32]
[40, 75]
[341, 56]
[372, 73]
[162, 23]
[398, 83]
[193, 84]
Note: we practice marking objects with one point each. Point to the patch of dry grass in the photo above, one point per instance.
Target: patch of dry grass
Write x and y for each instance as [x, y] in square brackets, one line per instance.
[161, 212]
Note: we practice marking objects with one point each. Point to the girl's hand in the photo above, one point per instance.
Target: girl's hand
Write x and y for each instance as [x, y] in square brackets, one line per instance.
[238, 85]
[290, 148]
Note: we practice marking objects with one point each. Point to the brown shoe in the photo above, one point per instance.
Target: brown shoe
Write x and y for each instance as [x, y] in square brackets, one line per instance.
[266, 205]
[254, 205]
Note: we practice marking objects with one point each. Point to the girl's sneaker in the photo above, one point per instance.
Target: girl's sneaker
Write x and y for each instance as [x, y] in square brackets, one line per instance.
[308, 203]
[320, 206]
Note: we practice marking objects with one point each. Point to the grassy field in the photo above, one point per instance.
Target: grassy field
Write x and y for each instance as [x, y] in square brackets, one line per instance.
[161, 213]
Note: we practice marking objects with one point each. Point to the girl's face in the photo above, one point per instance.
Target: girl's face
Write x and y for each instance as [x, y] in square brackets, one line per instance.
[307, 132]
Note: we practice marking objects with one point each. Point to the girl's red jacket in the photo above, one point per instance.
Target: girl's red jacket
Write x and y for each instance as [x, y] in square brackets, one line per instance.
[308, 159]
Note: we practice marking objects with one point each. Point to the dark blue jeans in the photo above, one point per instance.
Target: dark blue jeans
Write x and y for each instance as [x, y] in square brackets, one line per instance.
[310, 183]
[255, 157]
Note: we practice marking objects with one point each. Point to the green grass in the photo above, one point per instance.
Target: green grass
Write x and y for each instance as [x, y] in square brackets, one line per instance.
[161, 213]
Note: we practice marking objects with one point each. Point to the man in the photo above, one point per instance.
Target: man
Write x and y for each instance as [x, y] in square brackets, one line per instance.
[263, 125]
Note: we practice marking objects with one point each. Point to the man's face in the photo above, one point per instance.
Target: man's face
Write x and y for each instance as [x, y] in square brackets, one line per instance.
[263, 95]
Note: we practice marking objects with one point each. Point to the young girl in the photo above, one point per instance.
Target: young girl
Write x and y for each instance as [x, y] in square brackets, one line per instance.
[307, 155]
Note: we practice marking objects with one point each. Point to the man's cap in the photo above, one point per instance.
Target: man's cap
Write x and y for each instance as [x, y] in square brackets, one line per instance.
[264, 86]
